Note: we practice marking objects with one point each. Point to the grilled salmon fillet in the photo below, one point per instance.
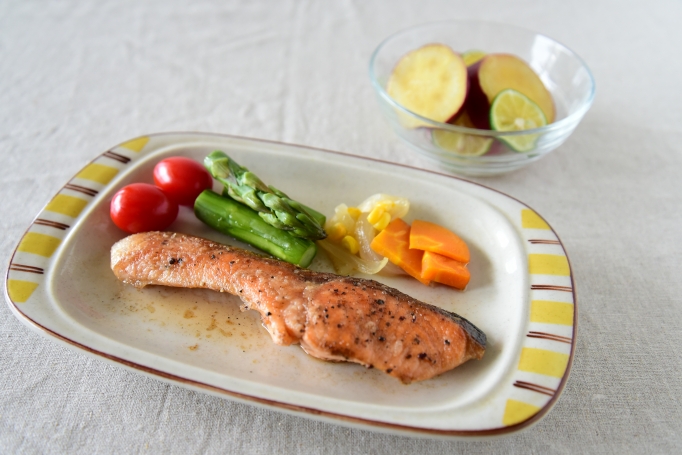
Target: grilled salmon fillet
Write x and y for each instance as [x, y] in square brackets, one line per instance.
[332, 317]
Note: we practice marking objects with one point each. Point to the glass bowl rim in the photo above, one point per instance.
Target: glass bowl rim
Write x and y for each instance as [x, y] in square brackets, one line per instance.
[573, 118]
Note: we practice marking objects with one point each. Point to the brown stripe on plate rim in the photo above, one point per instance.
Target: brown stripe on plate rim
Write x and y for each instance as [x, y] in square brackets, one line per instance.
[51, 223]
[549, 336]
[550, 287]
[81, 189]
[26, 268]
[535, 388]
[115, 156]
[545, 242]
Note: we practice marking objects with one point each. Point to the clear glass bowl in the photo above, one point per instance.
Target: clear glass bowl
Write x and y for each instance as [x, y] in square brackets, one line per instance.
[565, 75]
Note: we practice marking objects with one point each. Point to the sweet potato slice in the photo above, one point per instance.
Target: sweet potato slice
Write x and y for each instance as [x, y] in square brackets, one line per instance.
[430, 81]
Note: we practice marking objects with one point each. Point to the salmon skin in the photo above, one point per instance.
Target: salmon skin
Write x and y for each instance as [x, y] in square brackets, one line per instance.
[332, 317]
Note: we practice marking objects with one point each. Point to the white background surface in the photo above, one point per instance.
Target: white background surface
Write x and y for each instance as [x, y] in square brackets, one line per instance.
[77, 78]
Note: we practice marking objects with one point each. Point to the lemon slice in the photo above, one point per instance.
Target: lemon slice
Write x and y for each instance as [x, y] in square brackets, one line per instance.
[514, 111]
[460, 143]
[472, 56]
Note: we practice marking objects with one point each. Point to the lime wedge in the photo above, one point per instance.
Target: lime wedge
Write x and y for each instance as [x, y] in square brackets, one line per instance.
[460, 143]
[514, 111]
[472, 56]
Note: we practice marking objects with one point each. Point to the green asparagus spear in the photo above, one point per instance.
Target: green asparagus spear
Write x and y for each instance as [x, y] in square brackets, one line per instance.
[237, 220]
[272, 205]
[317, 216]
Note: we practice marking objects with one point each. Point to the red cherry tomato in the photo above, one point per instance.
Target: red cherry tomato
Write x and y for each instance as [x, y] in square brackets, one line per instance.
[141, 207]
[182, 179]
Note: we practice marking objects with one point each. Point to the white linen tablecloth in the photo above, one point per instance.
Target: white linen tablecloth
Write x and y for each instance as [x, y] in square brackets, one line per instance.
[78, 77]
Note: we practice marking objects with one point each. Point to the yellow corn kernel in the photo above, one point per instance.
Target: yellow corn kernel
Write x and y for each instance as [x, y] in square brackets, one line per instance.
[350, 244]
[383, 222]
[385, 205]
[336, 232]
[375, 215]
[354, 212]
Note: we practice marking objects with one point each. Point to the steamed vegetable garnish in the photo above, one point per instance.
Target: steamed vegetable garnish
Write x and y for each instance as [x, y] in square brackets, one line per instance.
[272, 205]
[346, 262]
[442, 269]
[396, 206]
[243, 223]
[394, 243]
[428, 236]
[350, 231]
[427, 251]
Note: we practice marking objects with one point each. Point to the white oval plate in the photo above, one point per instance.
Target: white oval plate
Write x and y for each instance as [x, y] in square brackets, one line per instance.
[521, 295]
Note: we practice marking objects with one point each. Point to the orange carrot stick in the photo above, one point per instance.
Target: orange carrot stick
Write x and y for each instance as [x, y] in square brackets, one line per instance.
[437, 239]
[441, 269]
[394, 243]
